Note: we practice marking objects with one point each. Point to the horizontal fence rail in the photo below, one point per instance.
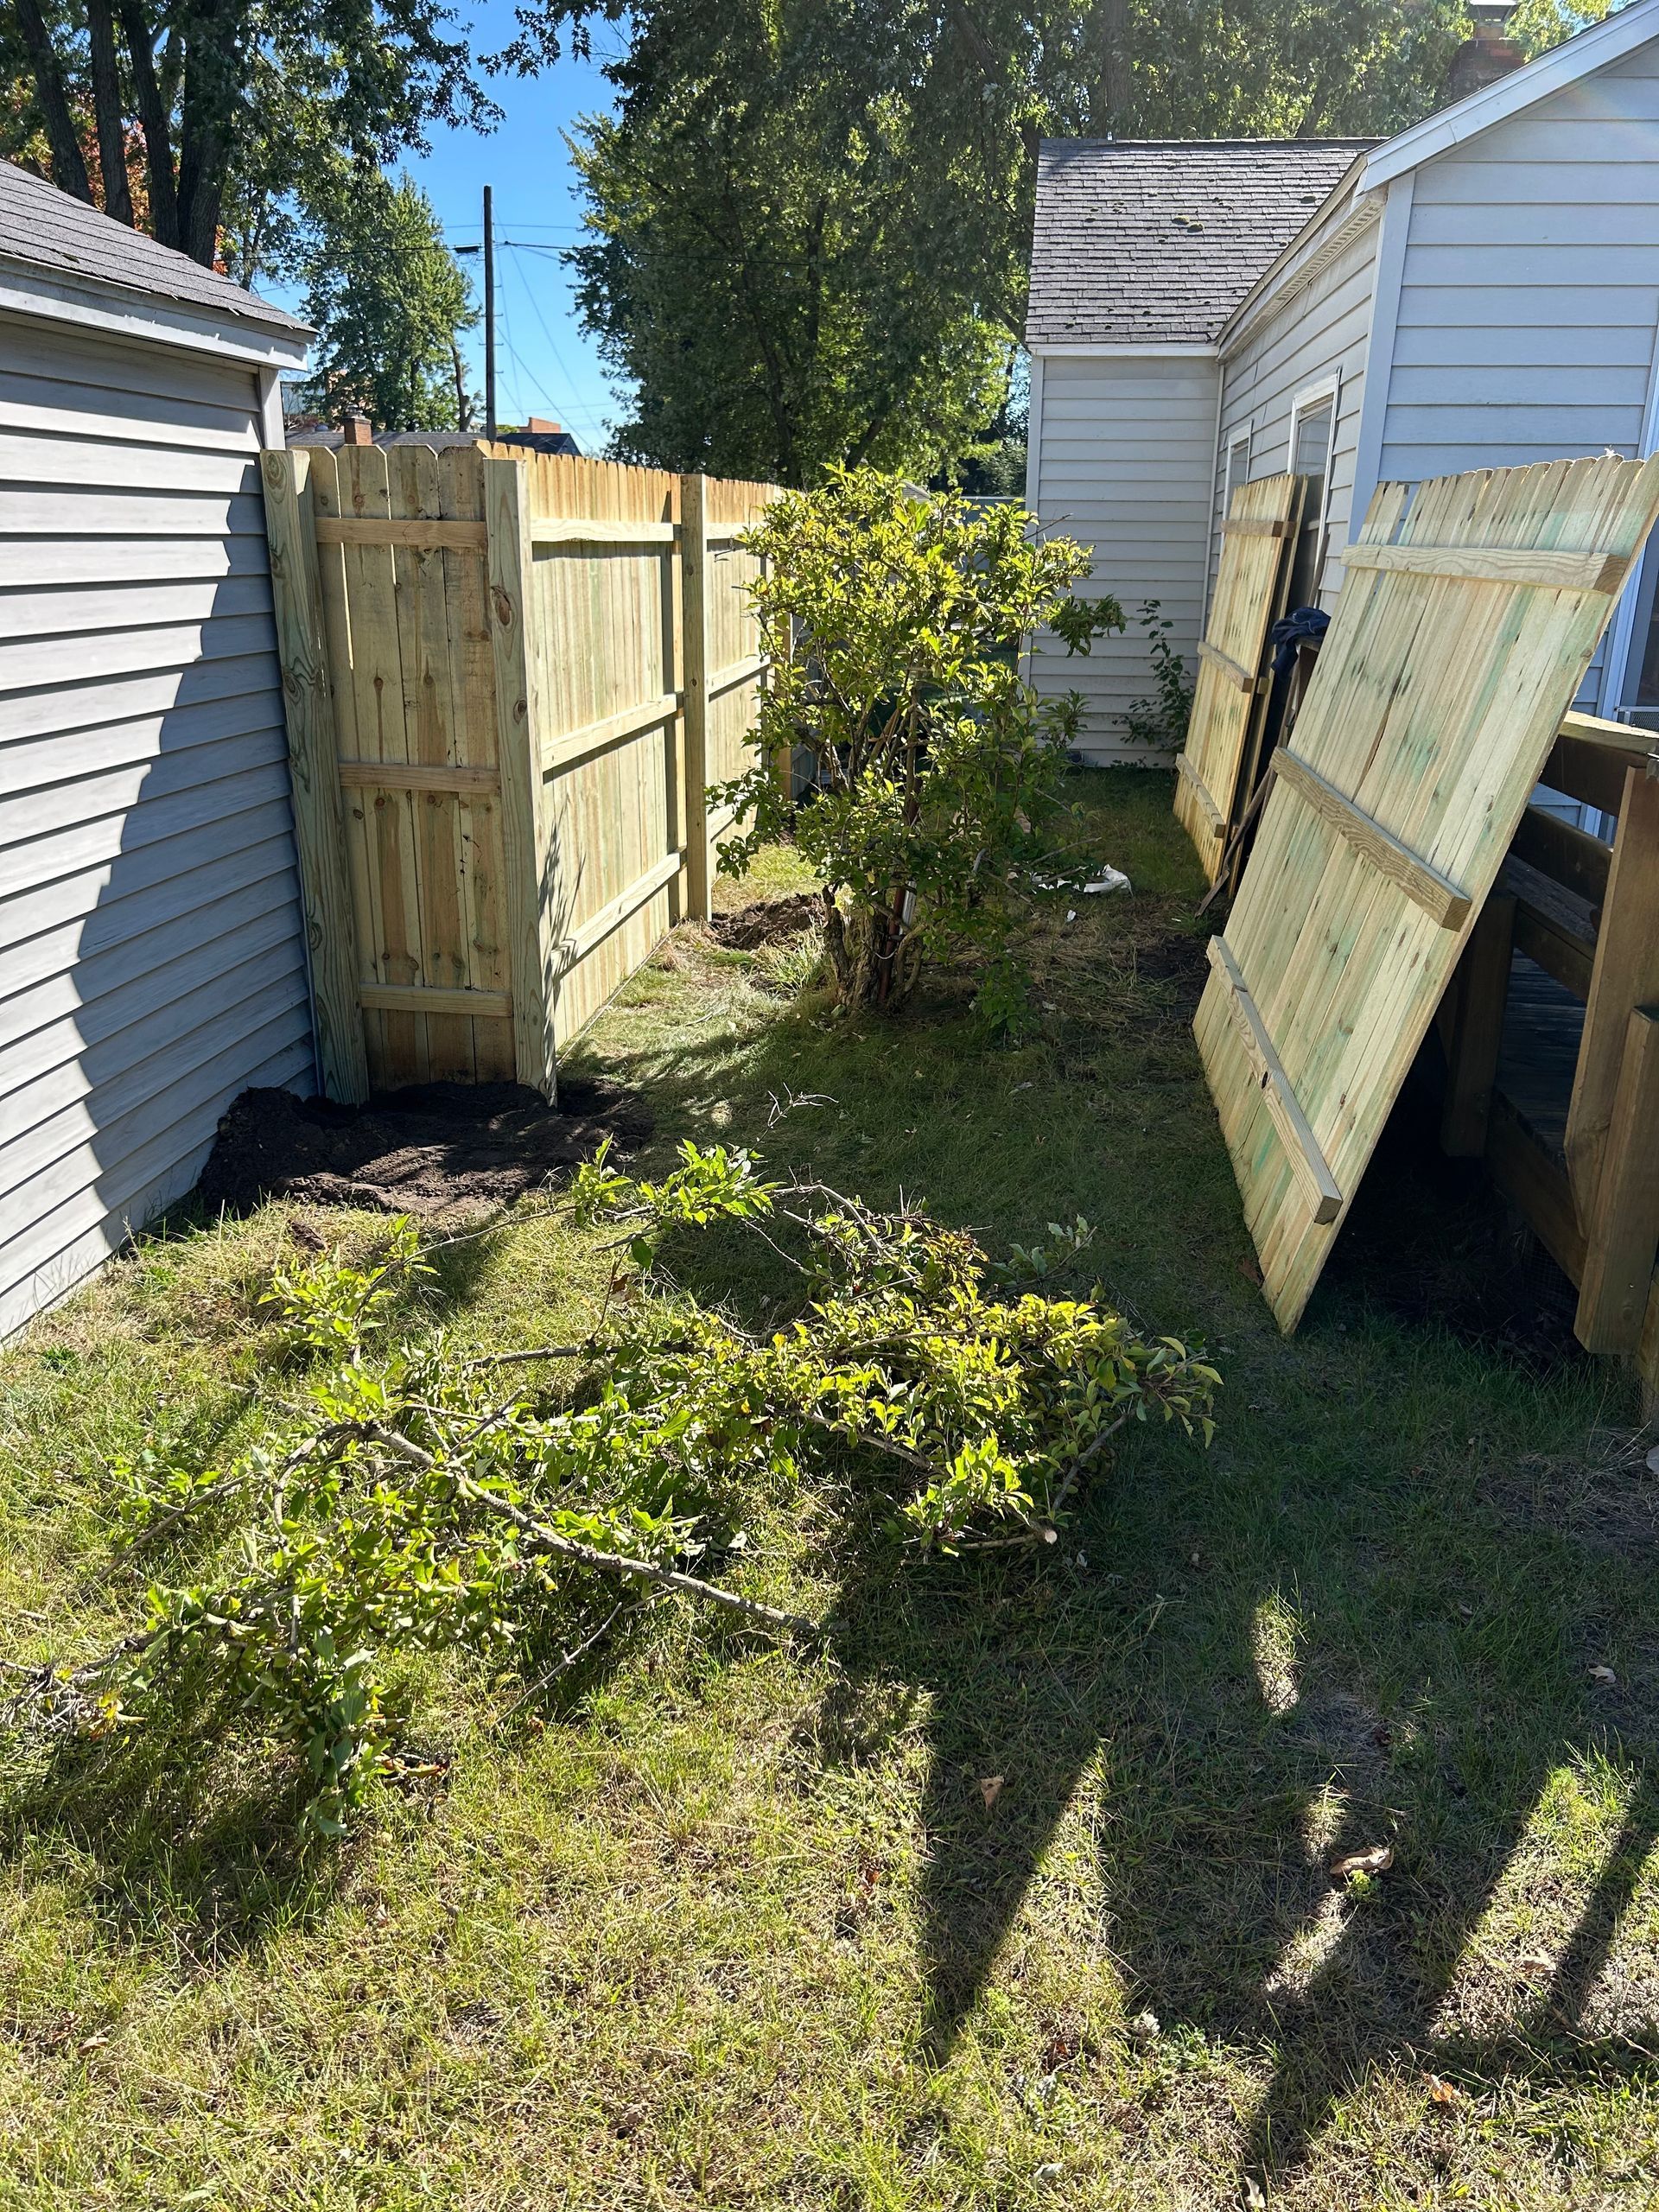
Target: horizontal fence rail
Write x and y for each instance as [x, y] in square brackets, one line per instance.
[509, 682]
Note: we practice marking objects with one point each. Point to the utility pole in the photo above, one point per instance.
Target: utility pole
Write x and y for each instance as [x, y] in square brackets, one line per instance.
[489, 314]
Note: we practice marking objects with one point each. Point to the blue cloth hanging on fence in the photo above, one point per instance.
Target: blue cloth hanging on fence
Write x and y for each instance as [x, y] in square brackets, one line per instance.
[1290, 630]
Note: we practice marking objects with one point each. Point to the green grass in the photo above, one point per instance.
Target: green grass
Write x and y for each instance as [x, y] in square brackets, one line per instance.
[736, 1927]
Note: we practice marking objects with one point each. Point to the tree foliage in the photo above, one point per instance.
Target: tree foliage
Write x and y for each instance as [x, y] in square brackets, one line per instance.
[209, 122]
[892, 622]
[811, 218]
[389, 301]
[405, 1505]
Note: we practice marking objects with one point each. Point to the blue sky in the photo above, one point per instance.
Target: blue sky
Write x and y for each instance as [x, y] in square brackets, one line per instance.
[545, 364]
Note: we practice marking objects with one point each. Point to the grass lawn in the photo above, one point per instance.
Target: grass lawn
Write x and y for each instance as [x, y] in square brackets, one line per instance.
[736, 1926]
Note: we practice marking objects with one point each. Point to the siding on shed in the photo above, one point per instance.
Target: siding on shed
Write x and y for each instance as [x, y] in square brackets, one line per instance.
[1125, 447]
[151, 957]
[1299, 337]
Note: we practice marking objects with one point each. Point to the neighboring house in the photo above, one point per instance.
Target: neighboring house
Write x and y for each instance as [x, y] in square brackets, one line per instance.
[152, 962]
[536, 436]
[1480, 291]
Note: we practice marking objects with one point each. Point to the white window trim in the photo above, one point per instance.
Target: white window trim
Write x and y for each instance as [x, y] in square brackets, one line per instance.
[1310, 397]
[1615, 666]
[1244, 435]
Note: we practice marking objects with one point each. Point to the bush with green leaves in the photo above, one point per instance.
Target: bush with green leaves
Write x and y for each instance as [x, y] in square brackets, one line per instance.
[412, 1502]
[1160, 721]
[935, 813]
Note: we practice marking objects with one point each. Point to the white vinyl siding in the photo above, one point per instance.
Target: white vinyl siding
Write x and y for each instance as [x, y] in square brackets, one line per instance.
[1125, 462]
[1319, 330]
[1529, 298]
[151, 958]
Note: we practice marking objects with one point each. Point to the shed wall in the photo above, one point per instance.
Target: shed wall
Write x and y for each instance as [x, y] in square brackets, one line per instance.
[151, 958]
[1319, 329]
[1124, 458]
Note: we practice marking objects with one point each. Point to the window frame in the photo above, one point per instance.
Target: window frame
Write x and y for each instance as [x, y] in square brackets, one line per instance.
[1245, 438]
[1313, 396]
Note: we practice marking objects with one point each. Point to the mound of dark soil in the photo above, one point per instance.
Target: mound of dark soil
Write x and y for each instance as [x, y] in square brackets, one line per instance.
[768, 921]
[425, 1150]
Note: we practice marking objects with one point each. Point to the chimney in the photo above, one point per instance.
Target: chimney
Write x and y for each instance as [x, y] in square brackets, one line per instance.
[356, 429]
[1482, 60]
[539, 422]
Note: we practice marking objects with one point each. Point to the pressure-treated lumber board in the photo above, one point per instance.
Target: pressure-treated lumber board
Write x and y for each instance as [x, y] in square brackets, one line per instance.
[1433, 707]
[530, 862]
[1425, 887]
[1562, 850]
[1537, 1183]
[596, 531]
[1551, 926]
[325, 879]
[1549, 571]
[1592, 772]
[1227, 700]
[1624, 1224]
[1595, 729]
[1307, 1162]
[414, 776]
[694, 602]
[563, 752]
[1626, 975]
[434, 999]
[1213, 657]
[1214, 819]
[420, 533]
[1479, 992]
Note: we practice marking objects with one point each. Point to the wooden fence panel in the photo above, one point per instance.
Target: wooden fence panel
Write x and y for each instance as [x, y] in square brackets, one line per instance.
[1230, 697]
[505, 651]
[1441, 684]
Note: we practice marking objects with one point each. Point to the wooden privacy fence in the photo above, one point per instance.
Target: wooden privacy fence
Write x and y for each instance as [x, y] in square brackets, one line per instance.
[1465, 624]
[1258, 534]
[508, 682]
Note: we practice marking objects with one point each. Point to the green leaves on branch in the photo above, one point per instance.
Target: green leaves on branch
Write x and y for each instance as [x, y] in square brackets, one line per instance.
[408, 1504]
[935, 816]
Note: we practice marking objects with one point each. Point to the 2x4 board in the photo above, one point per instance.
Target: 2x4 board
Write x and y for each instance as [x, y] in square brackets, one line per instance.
[1467, 618]
[1257, 537]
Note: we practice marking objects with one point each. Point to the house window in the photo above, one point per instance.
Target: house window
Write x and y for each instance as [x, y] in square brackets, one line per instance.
[1237, 470]
[1312, 432]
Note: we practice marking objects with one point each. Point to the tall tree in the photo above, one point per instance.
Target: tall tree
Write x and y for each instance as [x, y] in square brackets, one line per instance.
[810, 219]
[226, 107]
[389, 301]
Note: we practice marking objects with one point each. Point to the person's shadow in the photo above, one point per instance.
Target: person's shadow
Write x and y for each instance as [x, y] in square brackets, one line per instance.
[1342, 1629]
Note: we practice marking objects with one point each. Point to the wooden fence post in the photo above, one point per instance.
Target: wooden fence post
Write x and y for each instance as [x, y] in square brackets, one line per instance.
[314, 776]
[532, 953]
[694, 616]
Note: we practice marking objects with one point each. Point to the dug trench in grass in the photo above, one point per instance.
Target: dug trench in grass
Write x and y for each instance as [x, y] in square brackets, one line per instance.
[677, 1944]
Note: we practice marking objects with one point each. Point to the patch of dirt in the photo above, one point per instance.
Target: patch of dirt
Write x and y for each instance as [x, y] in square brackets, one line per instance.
[767, 921]
[425, 1150]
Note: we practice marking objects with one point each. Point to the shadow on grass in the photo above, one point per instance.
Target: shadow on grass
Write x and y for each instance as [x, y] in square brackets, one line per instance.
[1433, 1674]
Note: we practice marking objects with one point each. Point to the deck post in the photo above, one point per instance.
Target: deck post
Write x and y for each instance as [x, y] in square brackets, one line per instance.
[1481, 989]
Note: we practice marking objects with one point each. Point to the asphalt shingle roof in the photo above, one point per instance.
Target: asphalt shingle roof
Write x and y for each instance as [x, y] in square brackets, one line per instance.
[44, 229]
[1156, 241]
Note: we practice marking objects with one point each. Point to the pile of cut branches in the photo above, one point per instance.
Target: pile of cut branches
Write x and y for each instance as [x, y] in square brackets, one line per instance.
[410, 1502]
